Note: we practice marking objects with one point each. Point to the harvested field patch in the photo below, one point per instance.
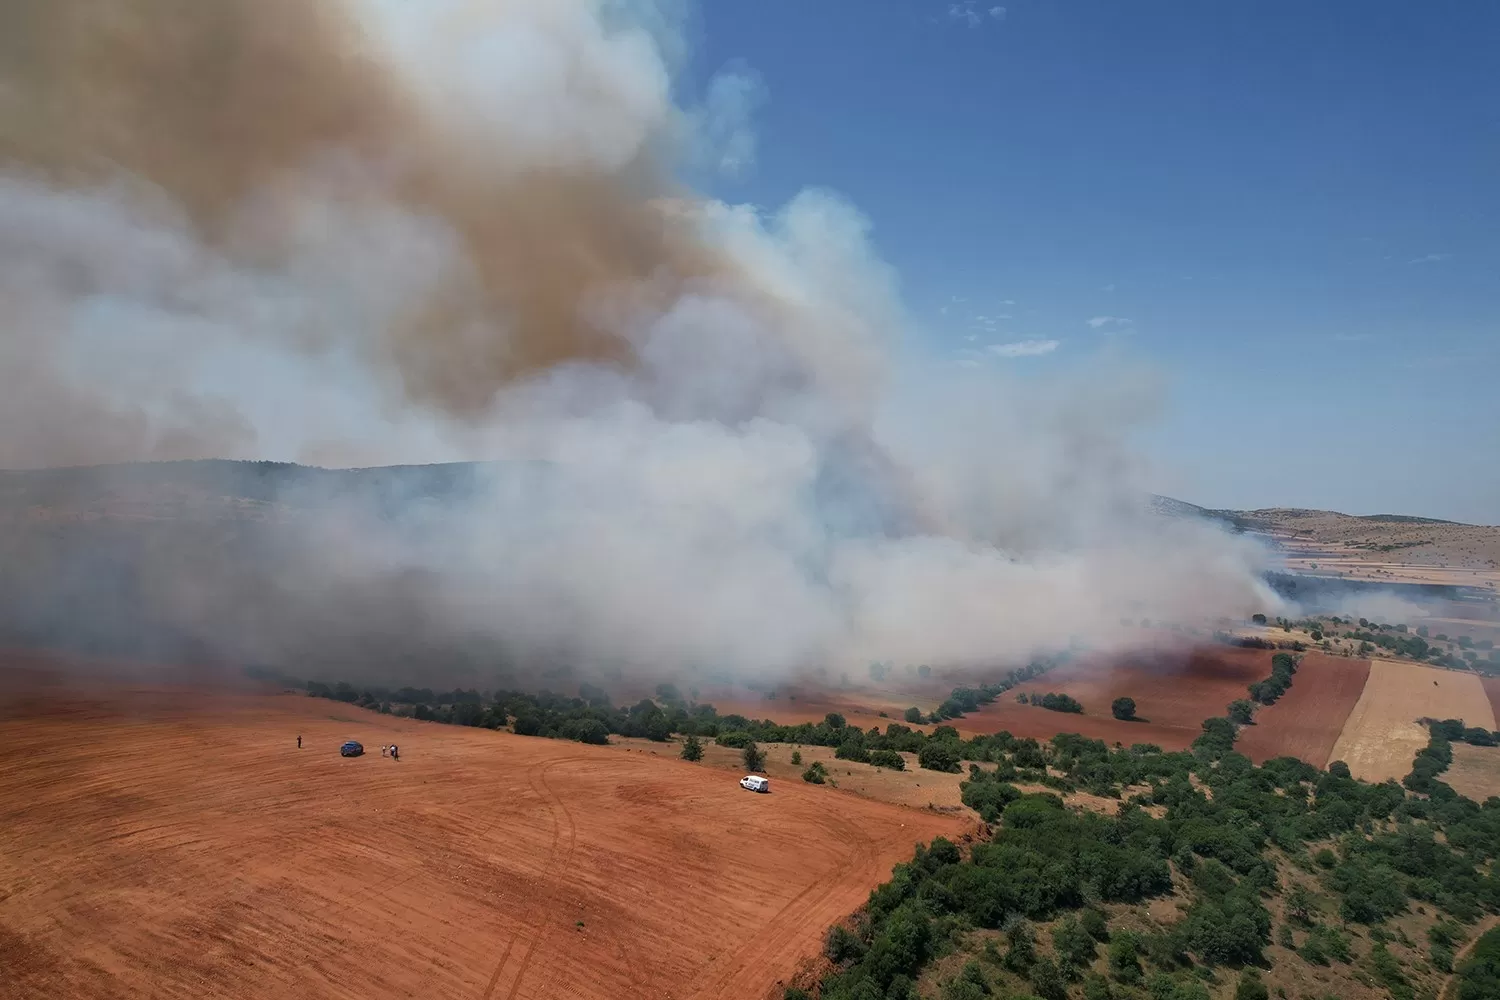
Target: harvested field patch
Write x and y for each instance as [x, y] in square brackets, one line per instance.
[167, 843]
[1306, 721]
[913, 787]
[1382, 735]
[1475, 771]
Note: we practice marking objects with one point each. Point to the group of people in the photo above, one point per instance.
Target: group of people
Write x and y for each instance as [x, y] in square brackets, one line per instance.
[390, 751]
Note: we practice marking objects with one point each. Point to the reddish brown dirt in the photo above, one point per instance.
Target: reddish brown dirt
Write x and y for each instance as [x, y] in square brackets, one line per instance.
[1306, 721]
[157, 842]
[1173, 691]
[1492, 692]
[858, 709]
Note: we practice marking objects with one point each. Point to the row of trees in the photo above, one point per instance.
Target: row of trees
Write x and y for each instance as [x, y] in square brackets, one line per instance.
[1283, 666]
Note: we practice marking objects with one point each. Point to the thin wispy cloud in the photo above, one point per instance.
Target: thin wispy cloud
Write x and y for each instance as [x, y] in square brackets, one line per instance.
[1429, 258]
[1024, 348]
[970, 13]
[1350, 338]
[1102, 322]
[1007, 302]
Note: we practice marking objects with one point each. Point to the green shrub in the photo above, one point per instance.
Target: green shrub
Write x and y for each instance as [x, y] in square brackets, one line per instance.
[692, 749]
[939, 755]
[1251, 987]
[888, 758]
[853, 749]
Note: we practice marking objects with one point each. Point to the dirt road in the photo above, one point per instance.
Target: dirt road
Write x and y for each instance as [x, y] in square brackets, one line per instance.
[162, 843]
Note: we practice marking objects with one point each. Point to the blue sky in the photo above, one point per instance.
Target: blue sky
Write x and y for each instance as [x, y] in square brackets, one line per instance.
[1289, 207]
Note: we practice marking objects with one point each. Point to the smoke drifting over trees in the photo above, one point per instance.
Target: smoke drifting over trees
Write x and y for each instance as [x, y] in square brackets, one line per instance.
[357, 232]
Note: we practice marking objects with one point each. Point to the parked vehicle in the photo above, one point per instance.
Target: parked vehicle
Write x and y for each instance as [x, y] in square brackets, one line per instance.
[755, 783]
[351, 749]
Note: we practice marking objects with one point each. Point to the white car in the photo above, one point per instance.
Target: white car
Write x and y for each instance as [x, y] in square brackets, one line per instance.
[755, 783]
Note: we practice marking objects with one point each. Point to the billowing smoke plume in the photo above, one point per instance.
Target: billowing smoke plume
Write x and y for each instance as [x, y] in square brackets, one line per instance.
[355, 232]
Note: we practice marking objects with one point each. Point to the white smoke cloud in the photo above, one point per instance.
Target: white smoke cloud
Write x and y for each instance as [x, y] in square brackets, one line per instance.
[739, 469]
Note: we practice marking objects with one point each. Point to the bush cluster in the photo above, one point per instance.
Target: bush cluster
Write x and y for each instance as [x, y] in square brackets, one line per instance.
[1283, 666]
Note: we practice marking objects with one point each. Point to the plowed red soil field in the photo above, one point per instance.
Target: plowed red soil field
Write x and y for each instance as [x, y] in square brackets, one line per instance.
[158, 842]
[1175, 691]
[1306, 721]
[1492, 692]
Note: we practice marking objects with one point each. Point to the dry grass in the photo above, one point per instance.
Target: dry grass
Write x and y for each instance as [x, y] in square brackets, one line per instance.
[1475, 771]
[1382, 734]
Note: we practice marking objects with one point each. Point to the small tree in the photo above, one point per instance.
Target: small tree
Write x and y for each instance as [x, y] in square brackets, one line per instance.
[1300, 904]
[1251, 987]
[1242, 711]
[1124, 959]
[1123, 708]
[1075, 947]
[913, 715]
[692, 749]
[797, 758]
[754, 759]
[815, 774]
[1022, 951]
[1047, 980]
[1258, 619]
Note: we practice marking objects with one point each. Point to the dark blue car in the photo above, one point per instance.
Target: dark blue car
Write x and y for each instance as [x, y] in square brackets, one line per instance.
[351, 749]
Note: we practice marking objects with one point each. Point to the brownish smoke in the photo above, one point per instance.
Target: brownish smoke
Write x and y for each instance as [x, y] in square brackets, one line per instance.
[217, 102]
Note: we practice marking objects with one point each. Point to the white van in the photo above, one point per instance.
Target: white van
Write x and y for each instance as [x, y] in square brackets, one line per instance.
[755, 783]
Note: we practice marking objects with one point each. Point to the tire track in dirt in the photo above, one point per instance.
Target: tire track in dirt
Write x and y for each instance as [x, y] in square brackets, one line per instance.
[194, 864]
[610, 937]
[812, 914]
[564, 833]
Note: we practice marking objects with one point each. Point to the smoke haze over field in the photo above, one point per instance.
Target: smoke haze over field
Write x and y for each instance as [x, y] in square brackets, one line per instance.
[356, 232]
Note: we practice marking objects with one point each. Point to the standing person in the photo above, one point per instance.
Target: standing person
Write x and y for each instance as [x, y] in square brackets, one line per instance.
[395, 754]
[299, 741]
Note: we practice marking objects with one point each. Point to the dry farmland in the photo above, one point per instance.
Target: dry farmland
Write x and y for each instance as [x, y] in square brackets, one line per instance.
[159, 842]
[1382, 734]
